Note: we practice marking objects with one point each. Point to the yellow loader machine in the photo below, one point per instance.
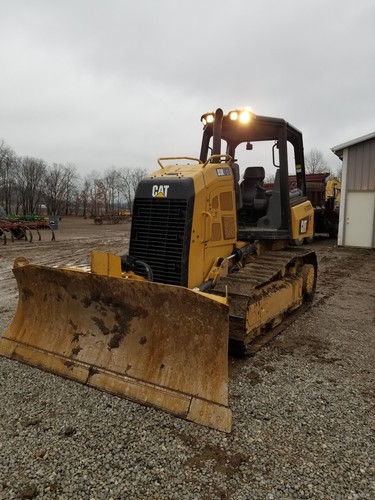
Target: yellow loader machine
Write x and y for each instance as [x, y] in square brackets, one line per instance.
[209, 267]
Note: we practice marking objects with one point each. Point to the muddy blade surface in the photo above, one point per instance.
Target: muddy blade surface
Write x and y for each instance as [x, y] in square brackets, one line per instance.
[160, 345]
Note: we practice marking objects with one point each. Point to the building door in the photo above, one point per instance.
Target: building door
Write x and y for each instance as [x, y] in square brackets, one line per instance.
[359, 220]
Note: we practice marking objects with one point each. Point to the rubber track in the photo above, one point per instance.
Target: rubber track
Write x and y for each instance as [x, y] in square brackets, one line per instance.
[241, 286]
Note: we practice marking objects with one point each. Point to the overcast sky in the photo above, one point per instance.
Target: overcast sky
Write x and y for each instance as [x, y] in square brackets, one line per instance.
[122, 82]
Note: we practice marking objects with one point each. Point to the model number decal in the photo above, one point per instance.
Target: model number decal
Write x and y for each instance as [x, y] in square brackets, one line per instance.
[160, 191]
[222, 171]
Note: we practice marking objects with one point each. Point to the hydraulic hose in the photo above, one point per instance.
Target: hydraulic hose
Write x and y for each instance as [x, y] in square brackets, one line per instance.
[129, 263]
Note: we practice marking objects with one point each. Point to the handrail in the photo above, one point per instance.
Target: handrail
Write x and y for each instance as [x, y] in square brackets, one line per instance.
[227, 157]
[177, 158]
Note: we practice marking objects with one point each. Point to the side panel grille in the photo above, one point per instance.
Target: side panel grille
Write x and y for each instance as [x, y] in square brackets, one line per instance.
[159, 238]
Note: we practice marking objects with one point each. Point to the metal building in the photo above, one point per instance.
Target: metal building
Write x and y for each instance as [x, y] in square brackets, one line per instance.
[357, 206]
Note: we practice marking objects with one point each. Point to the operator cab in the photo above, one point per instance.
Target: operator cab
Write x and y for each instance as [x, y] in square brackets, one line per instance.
[263, 208]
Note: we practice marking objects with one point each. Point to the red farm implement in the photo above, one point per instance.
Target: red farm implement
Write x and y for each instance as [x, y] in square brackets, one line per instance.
[16, 228]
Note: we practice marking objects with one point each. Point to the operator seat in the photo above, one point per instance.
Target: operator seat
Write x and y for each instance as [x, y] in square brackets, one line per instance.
[253, 193]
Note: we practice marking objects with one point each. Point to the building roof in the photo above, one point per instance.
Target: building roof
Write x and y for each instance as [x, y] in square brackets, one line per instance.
[338, 150]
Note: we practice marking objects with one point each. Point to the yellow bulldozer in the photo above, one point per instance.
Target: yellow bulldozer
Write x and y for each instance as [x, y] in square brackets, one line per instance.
[210, 267]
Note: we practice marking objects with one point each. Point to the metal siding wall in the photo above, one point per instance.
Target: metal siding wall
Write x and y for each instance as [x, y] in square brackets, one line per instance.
[361, 166]
[371, 179]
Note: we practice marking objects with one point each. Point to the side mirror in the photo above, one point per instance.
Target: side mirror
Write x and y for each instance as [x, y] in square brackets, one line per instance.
[275, 146]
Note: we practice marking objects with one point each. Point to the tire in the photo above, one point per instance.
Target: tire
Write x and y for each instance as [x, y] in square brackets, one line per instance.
[18, 233]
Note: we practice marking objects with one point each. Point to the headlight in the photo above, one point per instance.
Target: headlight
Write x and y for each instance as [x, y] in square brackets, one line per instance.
[245, 116]
[208, 118]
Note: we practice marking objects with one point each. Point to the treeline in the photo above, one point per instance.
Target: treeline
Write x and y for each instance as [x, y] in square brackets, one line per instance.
[31, 186]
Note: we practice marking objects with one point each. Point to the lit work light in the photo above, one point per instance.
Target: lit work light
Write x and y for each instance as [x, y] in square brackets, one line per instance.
[243, 115]
[207, 118]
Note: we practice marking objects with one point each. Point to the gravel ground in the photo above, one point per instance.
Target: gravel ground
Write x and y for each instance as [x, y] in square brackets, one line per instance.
[303, 409]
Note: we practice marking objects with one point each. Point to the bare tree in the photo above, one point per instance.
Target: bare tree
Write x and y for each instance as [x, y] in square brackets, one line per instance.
[315, 162]
[85, 195]
[129, 180]
[76, 198]
[125, 186]
[55, 189]
[30, 183]
[111, 182]
[96, 195]
[8, 167]
[71, 178]
[137, 174]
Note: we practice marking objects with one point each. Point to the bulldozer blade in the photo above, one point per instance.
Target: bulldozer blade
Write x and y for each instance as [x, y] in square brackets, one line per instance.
[160, 345]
